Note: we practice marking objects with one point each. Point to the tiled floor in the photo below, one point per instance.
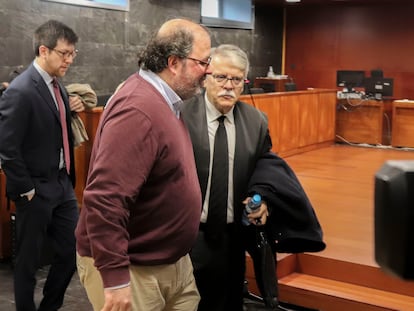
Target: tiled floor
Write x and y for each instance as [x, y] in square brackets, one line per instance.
[75, 299]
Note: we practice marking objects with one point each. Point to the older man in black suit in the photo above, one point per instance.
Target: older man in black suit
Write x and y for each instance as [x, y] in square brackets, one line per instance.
[218, 256]
[217, 120]
[36, 151]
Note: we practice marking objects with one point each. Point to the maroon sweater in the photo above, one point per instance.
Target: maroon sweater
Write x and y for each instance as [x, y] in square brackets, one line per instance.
[142, 201]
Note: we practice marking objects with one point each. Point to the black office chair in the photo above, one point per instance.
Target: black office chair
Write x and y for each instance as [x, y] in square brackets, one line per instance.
[256, 90]
[268, 87]
[290, 86]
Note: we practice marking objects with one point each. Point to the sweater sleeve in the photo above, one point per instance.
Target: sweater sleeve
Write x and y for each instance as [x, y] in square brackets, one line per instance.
[120, 162]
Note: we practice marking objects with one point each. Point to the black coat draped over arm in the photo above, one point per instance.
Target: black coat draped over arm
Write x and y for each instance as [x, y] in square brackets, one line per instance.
[292, 225]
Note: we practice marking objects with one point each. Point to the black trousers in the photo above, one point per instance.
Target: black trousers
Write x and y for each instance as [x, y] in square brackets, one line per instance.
[52, 215]
[219, 270]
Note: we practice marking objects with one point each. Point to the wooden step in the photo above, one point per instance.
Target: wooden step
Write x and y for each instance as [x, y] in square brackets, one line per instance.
[325, 294]
[328, 284]
[353, 273]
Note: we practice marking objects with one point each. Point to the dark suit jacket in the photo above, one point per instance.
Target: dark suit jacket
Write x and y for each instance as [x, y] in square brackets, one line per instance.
[252, 140]
[30, 134]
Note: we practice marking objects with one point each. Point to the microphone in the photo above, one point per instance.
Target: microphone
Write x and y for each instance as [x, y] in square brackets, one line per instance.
[249, 91]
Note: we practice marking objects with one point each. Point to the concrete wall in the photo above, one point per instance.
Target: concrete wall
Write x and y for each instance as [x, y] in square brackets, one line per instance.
[109, 40]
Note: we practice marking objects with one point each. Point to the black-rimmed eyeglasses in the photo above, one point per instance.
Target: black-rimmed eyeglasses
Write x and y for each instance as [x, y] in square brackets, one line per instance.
[203, 63]
[66, 54]
[222, 79]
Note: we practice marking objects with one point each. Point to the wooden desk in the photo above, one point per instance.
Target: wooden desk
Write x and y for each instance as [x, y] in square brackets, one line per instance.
[270, 84]
[362, 121]
[299, 121]
[402, 123]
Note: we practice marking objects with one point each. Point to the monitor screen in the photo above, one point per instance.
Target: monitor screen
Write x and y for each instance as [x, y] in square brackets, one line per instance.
[379, 87]
[349, 79]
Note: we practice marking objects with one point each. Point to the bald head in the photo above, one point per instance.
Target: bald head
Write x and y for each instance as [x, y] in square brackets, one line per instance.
[176, 37]
[173, 25]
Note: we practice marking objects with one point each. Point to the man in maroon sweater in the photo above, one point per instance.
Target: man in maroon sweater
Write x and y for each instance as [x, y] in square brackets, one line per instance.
[142, 201]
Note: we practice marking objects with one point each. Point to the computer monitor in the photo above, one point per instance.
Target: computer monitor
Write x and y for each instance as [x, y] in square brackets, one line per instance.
[394, 218]
[349, 79]
[379, 87]
[377, 73]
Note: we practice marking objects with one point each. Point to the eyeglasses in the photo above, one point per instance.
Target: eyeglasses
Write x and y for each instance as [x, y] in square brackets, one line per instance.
[66, 54]
[222, 79]
[202, 63]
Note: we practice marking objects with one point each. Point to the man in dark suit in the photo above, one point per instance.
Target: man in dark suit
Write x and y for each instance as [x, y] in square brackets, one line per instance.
[36, 151]
[219, 261]
[219, 255]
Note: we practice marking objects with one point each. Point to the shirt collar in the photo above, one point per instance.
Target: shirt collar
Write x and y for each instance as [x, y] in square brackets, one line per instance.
[171, 97]
[46, 77]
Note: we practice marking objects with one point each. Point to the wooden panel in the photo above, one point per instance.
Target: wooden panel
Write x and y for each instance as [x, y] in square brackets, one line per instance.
[350, 272]
[327, 294]
[271, 106]
[323, 39]
[289, 121]
[309, 119]
[90, 119]
[327, 115]
[403, 124]
[297, 118]
[360, 121]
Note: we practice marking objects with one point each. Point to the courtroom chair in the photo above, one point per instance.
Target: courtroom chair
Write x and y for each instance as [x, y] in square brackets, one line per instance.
[255, 90]
[290, 86]
[268, 87]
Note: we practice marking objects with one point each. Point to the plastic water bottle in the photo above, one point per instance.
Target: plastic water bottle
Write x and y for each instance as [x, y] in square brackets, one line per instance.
[252, 205]
[271, 73]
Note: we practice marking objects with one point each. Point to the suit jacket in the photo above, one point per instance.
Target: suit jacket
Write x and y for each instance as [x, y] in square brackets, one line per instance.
[31, 135]
[252, 140]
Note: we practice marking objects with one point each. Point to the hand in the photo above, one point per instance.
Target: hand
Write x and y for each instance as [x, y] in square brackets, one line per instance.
[118, 299]
[259, 217]
[30, 196]
[76, 103]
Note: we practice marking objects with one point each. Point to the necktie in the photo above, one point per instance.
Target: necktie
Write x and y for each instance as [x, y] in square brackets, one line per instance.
[217, 208]
[63, 124]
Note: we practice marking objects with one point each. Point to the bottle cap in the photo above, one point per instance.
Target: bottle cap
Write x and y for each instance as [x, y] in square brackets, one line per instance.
[256, 198]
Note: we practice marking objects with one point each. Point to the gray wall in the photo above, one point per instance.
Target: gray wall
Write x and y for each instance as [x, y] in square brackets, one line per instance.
[109, 40]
